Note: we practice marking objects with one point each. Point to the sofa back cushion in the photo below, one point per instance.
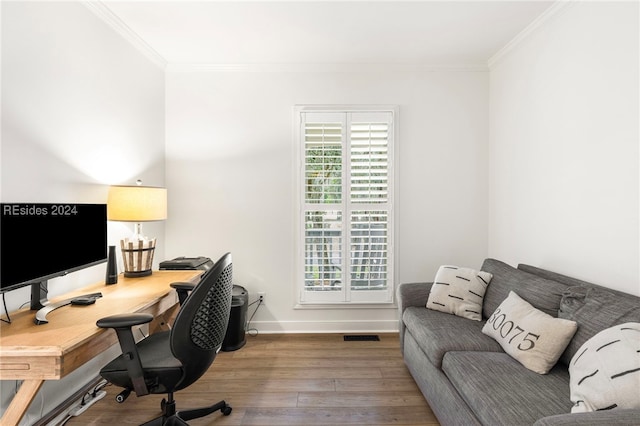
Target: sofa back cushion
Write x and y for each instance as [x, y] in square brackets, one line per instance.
[595, 309]
[564, 279]
[542, 293]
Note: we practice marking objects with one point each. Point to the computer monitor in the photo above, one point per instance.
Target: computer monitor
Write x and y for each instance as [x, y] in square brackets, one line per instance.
[43, 241]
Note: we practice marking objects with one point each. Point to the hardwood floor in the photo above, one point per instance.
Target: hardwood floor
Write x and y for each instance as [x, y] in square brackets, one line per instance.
[291, 379]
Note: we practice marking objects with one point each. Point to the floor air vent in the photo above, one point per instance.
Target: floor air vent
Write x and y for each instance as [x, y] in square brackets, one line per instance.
[362, 338]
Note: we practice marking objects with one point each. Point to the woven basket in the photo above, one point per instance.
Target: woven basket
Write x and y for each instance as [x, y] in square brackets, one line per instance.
[137, 256]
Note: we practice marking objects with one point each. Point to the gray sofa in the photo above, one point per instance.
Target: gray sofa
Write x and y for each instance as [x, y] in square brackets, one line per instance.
[468, 379]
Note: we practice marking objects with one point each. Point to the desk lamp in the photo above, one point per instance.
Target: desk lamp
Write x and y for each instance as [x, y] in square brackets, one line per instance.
[137, 204]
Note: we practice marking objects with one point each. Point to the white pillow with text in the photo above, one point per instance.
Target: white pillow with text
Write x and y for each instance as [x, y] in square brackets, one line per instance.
[532, 337]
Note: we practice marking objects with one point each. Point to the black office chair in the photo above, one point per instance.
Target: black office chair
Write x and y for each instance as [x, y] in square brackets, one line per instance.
[169, 361]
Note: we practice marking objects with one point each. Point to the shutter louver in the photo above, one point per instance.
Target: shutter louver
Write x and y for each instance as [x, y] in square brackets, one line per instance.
[323, 250]
[369, 162]
[369, 244]
[323, 162]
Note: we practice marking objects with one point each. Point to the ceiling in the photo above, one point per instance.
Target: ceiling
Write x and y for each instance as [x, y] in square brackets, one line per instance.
[435, 33]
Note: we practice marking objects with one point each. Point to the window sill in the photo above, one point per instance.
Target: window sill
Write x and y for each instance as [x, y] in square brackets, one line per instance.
[345, 305]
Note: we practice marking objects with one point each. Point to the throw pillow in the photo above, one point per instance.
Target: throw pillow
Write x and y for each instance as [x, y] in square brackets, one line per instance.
[605, 372]
[532, 337]
[459, 291]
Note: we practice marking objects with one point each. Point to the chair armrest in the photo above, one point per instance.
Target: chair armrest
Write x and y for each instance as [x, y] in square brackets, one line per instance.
[124, 320]
[183, 288]
[183, 285]
[122, 324]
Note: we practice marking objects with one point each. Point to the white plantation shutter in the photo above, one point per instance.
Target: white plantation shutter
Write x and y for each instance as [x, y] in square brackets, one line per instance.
[369, 162]
[346, 206]
[323, 251]
[369, 250]
[323, 162]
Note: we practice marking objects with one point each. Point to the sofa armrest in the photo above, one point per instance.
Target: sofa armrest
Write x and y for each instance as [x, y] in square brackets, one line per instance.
[413, 294]
[595, 418]
[410, 294]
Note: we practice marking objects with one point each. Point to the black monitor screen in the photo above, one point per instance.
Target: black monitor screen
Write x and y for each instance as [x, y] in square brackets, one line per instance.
[42, 241]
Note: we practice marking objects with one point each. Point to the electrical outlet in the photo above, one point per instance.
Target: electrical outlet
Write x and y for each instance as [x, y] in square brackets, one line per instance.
[261, 296]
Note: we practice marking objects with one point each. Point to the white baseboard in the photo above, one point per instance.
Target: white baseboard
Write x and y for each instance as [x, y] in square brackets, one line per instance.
[274, 327]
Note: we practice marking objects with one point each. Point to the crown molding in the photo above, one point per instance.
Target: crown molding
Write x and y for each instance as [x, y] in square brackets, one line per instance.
[103, 12]
[560, 6]
[324, 67]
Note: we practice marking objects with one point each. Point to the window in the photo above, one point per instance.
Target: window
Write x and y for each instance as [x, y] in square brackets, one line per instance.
[345, 227]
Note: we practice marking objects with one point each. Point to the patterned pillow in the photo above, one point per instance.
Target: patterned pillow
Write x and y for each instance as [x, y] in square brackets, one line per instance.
[605, 372]
[532, 337]
[459, 291]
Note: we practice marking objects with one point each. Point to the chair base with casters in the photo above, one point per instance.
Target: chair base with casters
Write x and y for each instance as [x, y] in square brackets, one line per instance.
[168, 361]
[172, 417]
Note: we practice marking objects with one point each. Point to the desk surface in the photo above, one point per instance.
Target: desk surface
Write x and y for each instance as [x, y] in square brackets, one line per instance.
[71, 338]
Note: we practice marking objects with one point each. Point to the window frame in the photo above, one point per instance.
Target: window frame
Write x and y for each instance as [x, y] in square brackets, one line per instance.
[344, 297]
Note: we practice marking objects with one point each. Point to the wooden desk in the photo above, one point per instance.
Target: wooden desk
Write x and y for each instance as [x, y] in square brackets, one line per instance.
[35, 353]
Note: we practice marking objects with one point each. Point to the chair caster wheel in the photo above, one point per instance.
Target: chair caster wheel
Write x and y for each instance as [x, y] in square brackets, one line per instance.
[227, 410]
[122, 396]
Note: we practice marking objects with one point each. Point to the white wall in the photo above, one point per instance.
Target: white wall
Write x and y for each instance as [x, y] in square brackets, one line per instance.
[81, 109]
[557, 184]
[564, 159]
[230, 176]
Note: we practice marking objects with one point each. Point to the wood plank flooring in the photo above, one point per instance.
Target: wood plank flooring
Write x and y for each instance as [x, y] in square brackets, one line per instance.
[291, 379]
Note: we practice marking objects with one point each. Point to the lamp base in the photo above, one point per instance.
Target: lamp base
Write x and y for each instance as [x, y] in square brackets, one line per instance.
[137, 274]
[137, 256]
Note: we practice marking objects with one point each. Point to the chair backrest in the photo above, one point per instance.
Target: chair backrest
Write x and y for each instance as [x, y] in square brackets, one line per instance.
[201, 324]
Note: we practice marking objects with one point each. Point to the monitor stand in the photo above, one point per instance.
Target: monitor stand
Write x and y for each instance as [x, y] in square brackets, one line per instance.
[41, 315]
[40, 303]
[39, 291]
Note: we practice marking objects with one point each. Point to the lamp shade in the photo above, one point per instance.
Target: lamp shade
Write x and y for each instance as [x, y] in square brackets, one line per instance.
[136, 203]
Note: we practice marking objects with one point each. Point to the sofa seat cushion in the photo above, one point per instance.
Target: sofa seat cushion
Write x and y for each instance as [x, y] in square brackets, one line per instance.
[437, 333]
[500, 391]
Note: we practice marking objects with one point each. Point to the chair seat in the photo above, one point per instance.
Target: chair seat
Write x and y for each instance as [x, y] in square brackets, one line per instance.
[162, 371]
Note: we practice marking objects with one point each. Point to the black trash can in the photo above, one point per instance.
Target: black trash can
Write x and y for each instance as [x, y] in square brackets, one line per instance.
[236, 337]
